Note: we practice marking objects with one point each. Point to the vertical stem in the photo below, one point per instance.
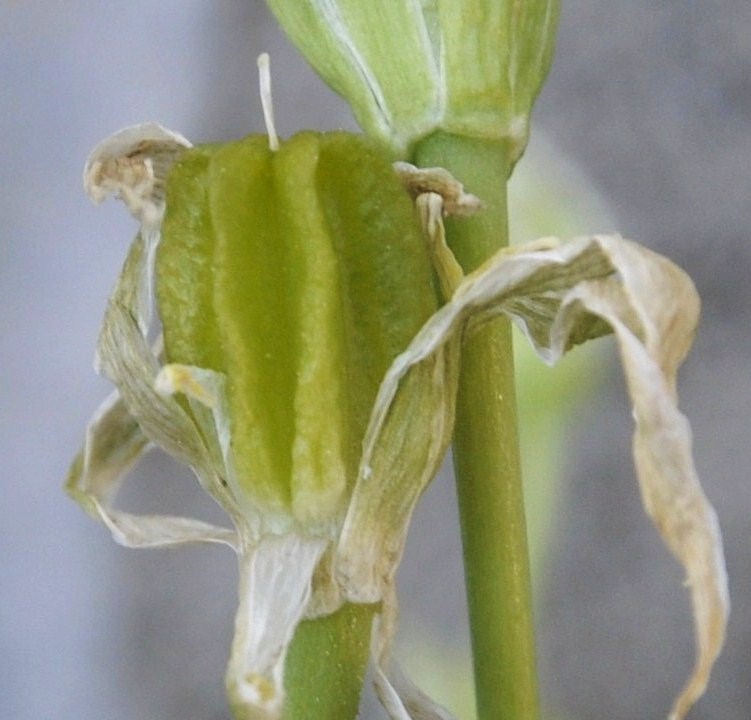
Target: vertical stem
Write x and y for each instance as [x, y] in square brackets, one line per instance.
[325, 667]
[486, 452]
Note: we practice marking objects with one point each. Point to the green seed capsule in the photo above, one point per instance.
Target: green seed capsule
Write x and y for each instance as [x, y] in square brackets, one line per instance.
[300, 274]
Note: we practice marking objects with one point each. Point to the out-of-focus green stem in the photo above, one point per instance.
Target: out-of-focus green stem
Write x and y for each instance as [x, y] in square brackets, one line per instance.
[486, 452]
[326, 663]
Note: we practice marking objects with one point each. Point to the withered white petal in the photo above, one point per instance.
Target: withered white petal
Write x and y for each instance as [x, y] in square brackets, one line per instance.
[152, 531]
[205, 391]
[404, 445]
[654, 322]
[450, 274]
[114, 442]
[127, 360]
[275, 586]
[406, 439]
[132, 164]
[136, 417]
[561, 297]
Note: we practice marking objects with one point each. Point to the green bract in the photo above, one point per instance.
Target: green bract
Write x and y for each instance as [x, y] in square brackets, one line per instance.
[468, 67]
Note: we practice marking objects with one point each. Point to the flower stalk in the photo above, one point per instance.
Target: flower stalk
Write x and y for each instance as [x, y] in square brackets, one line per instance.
[326, 664]
[486, 452]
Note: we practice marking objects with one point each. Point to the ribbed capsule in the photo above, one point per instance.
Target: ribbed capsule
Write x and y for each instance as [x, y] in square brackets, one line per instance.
[299, 274]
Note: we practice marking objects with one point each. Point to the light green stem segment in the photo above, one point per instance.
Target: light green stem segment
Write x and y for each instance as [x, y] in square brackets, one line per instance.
[326, 663]
[486, 452]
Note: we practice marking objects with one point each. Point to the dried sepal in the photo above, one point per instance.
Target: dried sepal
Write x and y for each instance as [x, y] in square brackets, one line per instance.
[274, 594]
[132, 164]
[393, 476]
[563, 296]
[133, 418]
[439, 181]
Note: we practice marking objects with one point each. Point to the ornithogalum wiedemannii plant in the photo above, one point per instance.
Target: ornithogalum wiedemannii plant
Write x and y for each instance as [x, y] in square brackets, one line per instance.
[328, 314]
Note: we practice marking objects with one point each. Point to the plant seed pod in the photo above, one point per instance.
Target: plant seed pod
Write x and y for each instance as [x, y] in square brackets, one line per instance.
[299, 275]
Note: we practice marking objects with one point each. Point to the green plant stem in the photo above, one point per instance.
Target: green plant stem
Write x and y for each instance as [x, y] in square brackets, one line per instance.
[325, 667]
[486, 452]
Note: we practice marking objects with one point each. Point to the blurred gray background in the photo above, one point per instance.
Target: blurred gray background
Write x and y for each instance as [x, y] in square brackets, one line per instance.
[653, 100]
